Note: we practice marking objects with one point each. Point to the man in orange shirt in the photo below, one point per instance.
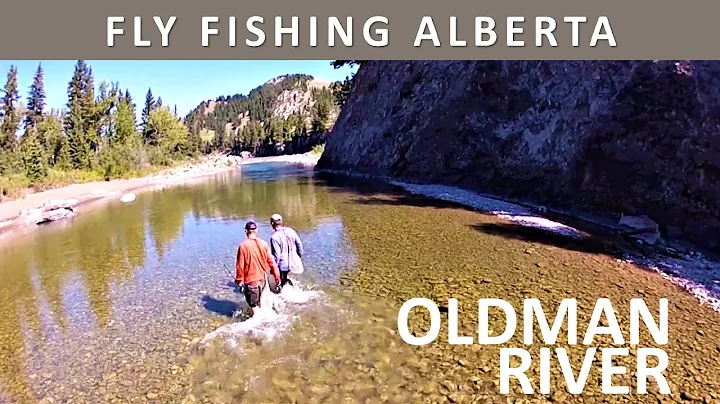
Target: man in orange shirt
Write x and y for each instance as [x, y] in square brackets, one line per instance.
[253, 263]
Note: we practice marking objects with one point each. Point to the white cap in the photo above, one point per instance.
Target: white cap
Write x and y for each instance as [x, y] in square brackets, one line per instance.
[276, 218]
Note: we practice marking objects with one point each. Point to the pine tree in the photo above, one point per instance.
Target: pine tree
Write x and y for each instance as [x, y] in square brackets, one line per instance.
[103, 90]
[128, 97]
[35, 168]
[130, 102]
[36, 100]
[341, 90]
[194, 138]
[159, 103]
[78, 147]
[88, 88]
[92, 112]
[10, 115]
[51, 138]
[175, 110]
[321, 113]
[149, 104]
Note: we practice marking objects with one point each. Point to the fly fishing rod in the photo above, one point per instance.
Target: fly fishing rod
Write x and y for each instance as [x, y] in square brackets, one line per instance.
[231, 274]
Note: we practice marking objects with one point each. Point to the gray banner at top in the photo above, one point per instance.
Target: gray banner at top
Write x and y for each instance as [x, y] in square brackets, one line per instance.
[81, 29]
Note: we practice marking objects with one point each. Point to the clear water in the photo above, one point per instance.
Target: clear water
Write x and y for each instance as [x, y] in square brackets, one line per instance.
[131, 302]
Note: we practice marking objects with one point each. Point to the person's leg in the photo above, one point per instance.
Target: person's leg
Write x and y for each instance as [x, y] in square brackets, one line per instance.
[287, 280]
[283, 278]
[252, 295]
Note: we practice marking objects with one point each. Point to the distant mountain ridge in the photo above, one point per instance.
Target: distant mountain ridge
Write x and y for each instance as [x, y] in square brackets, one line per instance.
[283, 110]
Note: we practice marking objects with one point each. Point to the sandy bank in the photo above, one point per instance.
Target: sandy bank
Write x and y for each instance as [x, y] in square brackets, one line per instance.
[22, 215]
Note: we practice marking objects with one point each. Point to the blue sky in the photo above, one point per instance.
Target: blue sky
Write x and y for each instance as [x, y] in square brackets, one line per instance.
[181, 83]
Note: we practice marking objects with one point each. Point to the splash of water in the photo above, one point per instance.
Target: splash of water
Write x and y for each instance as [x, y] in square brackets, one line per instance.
[275, 317]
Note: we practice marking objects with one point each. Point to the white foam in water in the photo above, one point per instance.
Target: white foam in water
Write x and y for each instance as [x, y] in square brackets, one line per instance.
[274, 318]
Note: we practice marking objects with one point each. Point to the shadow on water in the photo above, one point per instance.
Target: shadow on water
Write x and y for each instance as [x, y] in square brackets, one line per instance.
[377, 193]
[596, 240]
[590, 245]
[220, 306]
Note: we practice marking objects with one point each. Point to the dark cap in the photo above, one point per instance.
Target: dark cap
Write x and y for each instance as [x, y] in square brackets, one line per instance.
[250, 226]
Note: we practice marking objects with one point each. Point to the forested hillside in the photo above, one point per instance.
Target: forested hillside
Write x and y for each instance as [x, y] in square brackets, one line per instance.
[96, 135]
[287, 114]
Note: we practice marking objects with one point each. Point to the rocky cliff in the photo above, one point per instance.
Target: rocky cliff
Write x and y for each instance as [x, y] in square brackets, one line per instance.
[631, 137]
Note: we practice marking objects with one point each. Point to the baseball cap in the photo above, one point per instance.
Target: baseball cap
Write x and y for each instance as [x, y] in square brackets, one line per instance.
[250, 226]
[276, 218]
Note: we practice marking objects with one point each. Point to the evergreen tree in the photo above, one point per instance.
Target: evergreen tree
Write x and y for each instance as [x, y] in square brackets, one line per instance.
[92, 111]
[51, 138]
[341, 90]
[321, 111]
[35, 168]
[89, 88]
[124, 123]
[159, 103]
[129, 99]
[103, 91]
[149, 104]
[130, 102]
[194, 138]
[10, 111]
[78, 150]
[36, 100]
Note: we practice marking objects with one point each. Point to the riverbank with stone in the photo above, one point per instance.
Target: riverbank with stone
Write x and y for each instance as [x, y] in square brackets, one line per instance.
[685, 267]
[21, 216]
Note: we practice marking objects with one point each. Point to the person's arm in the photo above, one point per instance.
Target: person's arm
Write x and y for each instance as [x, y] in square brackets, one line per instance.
[239, 266]
[298, 244]
[275, 248]
[273, 265]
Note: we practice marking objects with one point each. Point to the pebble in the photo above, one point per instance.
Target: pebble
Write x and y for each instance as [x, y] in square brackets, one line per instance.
[325, 369]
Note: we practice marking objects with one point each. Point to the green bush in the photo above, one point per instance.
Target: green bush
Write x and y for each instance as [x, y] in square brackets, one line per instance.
[116, 162]
[318, 149]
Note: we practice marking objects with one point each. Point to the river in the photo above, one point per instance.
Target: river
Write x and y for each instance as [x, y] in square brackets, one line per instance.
[131, 302]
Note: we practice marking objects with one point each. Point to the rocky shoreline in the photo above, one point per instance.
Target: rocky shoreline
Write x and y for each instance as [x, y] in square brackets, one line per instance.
[21, 216]
[685, 267]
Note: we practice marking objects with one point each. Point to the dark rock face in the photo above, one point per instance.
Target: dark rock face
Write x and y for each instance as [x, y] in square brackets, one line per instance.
[631, 137]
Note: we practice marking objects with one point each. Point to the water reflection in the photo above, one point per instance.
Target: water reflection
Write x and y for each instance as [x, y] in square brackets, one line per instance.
[125, 263]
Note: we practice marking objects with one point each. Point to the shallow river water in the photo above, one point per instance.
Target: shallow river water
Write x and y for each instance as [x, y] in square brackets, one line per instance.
[132, 303]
